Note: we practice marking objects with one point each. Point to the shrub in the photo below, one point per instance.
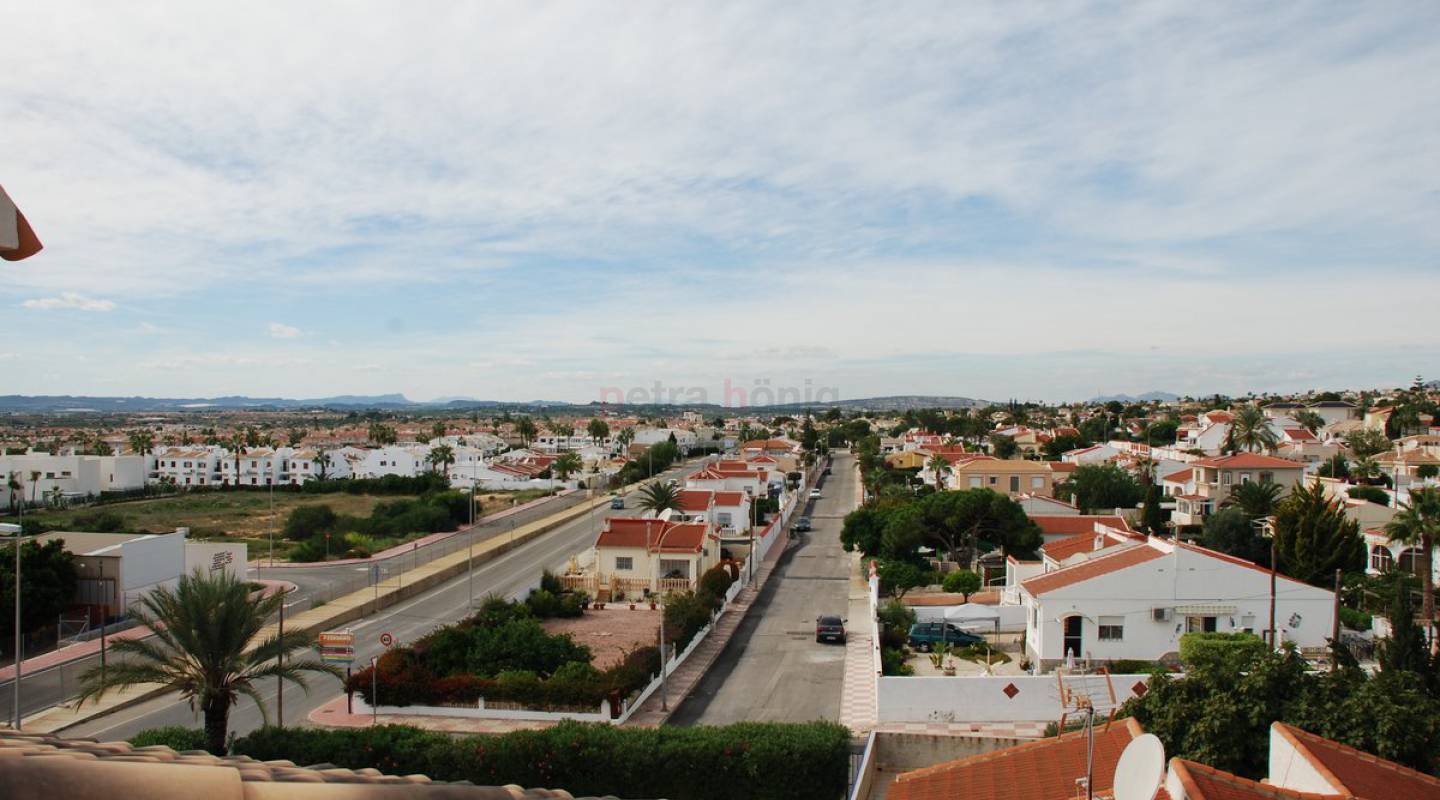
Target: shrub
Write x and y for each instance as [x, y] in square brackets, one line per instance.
[176, 737]
[1229, 651]
[685, 614]
[962, 581]
[1427, 471]
[550, 582]
[767, 761]
[1133, 666]
[1355, 619]
[100, 522]
[892, 662]
[715, 582]
[895, 620]
[1372, 493]
[307, 521]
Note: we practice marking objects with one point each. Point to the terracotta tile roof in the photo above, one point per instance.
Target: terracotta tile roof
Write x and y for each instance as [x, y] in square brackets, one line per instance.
[1249, 461]
[1361, 774]
[1094, 568]
[729, 498]
[1180, 476]
[1071, 524]
[1207, 783]
[43, 765]
[694, 500]
[1299, 435]
[654, 535]
[1061, 549]
[1042, 770]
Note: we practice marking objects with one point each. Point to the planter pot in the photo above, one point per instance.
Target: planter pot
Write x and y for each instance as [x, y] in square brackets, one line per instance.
[652, 606]
[632, 606]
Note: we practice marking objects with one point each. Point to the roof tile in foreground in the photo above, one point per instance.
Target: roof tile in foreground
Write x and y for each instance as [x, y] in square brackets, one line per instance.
[44, 767]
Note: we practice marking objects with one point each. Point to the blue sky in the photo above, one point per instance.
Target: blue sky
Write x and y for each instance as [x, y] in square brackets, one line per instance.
[537, 200]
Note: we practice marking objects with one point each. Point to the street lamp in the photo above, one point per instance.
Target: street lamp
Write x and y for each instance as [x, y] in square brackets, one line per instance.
[19, 663]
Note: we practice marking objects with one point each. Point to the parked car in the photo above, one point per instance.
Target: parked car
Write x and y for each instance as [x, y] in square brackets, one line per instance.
[815, 494]
[925, 635]
[617, 502]
[801, 525]
[829, 628]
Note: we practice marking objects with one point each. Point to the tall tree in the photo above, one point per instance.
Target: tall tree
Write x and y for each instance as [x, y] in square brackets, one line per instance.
[204, 646]
[525, 427]
[598, 429]
[441, 457]
[141, 441]
[1254, 498]
[1310, 420]
[294, 437]
[940, 467]
[566, 465]
[1313, 537]
[49, 574]
[1101, 487]
[1250, 431]
[1367, 442]
[1231, 530]
[1418, 525]
[658, 497]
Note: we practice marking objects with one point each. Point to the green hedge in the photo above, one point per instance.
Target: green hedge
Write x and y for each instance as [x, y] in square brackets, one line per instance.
[1232, 651]
[768, 761]
[173, 736]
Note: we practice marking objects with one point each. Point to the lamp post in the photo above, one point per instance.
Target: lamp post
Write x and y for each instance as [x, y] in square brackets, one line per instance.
[664, 696]
[19, 663]
[470, 548]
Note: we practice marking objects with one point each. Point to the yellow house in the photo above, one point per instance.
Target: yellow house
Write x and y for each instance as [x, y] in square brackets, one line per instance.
[1012, 477]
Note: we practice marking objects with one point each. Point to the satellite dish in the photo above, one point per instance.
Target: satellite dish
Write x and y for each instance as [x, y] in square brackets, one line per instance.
[1141, 769]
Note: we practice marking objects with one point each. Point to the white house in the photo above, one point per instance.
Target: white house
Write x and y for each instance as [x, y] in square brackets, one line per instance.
[1136, 603]
[69, 475]
[187, 465]
[311, 463]
[404, 460]
[1101, 453]
[728, 512]
[636, 555]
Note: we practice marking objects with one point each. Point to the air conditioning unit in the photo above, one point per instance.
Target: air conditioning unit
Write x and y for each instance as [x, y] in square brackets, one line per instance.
[1160, 614]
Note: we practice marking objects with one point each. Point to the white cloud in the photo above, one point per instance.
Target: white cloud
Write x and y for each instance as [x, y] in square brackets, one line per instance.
[69, 300]
[279, 330]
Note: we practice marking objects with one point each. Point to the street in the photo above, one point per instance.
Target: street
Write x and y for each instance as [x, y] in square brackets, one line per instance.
[511, 575]
[773, 670]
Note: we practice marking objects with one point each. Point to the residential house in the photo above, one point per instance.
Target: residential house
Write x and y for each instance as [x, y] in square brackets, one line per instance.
[1009, 476]
[69, 476]
[1334, 411]
[728, 512]
[309, 464]
[1039, 504]
[407, 461]
[1095, 454]
[1215, 478]
[186, 465]
[1136, 603]
[643, 555]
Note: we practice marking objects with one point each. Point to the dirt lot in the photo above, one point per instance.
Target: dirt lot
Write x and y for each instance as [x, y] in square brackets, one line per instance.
[611, 633]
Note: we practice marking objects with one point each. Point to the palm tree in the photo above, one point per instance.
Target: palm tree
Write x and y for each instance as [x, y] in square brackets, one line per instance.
[438, 429]
[205, 647]
[441, 456]
[12, 482]
[659, 497]
[940, 467]
[34, 483]
[1365, 469]
[625, 437]
[1250, 431]
[527, 430]
[1256, 499]
[566, 465]
[141, 441]
[1311, 420]
[1417, 525]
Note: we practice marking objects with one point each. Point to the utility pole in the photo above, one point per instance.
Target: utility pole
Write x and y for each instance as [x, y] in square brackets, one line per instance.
[1335, 626]
[374, 690]
[470, 549]
[279, 661]
[664, 696]
[104, 617]
[1272, 591]
[19, 656]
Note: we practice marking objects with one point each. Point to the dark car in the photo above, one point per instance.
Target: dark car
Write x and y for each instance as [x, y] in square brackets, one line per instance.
[801, 525]
[828, 628]
[925, 635]
[617, 502]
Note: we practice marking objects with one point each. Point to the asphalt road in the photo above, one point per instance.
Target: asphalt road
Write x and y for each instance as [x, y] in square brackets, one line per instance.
[773, 670]
[512, 575]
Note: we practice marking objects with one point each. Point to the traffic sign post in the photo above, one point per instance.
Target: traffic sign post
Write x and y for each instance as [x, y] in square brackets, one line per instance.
[338, 647]
[386, 640]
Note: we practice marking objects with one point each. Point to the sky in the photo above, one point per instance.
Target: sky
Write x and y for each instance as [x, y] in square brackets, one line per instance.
[579, 201]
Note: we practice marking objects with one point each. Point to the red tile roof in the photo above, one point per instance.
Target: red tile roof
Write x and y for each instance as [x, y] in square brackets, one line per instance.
[1042, 770]
[655, 535]
[1180, 476]
[729, 498]
[1094, 568]
[695, 500]
[1207, 783]
[1061, 549]
[1071, 524]
[1361, 774]
[1299, 435]
[1249, 461]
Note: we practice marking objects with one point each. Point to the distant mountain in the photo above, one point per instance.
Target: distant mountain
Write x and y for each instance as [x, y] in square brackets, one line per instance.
[1164, 397]
[60, 404]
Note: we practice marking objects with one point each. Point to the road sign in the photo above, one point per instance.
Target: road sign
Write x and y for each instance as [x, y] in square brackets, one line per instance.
[386, 640]
[337, 647]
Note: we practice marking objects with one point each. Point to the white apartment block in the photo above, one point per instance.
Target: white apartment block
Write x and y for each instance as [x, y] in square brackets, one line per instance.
[46, 477]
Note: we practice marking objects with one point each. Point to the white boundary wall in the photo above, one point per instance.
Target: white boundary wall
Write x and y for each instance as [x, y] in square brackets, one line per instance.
[984, 699]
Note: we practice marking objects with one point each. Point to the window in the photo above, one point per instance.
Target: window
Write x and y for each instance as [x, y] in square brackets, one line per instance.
[1244, 477]
[975, 483]
[1380, 558]
[624, 563]
[1112, 629]
[994, 480]
[1227, 478]
[1014, 483]
[1267, 477]
[1037, 482]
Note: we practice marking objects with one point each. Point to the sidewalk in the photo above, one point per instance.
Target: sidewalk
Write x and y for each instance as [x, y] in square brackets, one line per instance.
[683, 680]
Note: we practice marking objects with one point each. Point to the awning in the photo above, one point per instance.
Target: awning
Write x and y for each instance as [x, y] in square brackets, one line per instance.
[1206, 610]
[17, 238]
